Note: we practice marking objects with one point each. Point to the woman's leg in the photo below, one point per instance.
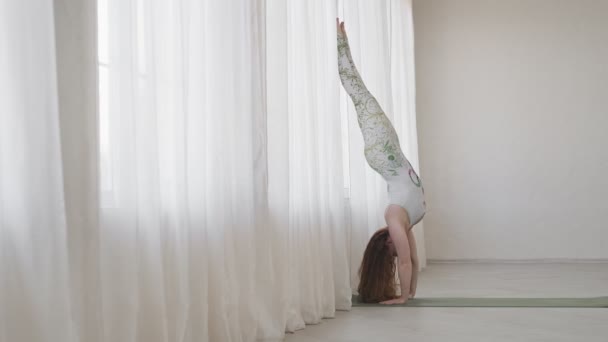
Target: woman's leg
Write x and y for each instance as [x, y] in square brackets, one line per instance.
[349, 75]
[382, 149]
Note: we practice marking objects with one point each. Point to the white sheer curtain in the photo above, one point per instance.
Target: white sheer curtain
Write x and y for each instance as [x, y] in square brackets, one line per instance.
[217, 213]
[190, 246]
[185, 247]
[381, 38]
[305, 156]
[35, 303]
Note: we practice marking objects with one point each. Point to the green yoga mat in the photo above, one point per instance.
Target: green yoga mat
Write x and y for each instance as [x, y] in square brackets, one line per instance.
[597, 302]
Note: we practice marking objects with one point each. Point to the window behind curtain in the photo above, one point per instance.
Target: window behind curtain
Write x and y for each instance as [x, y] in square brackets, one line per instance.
[104, 67]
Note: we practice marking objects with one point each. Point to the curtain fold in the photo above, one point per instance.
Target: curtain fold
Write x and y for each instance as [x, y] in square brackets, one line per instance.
[186, 215]
[76, 51]
[317, 231]
[35, 301]
[403, 91]
[181, 177]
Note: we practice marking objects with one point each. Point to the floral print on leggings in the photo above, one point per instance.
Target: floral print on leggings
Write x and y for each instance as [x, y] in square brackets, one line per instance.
[382, 150]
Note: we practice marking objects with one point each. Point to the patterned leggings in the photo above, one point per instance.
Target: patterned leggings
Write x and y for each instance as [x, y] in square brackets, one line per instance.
[382, 150]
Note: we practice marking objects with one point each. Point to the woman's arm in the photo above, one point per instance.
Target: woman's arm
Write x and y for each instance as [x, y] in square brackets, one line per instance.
[404, 266]
[415, 264]
[397, 221]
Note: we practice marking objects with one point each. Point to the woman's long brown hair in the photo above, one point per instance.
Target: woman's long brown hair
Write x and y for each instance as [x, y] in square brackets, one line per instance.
[377, 271]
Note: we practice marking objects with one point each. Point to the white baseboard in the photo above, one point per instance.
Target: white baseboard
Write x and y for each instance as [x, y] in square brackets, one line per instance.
[517, 261]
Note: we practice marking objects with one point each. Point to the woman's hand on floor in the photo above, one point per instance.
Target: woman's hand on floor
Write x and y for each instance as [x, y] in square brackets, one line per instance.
[398, 300]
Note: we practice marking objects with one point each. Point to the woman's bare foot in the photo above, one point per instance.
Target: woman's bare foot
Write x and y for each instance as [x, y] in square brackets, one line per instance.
[340, 27]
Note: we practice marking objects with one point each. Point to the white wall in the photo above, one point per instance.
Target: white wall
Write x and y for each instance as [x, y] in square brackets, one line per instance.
[513, 127]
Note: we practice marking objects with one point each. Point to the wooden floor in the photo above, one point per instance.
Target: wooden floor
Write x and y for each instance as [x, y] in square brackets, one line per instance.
[372, 324]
